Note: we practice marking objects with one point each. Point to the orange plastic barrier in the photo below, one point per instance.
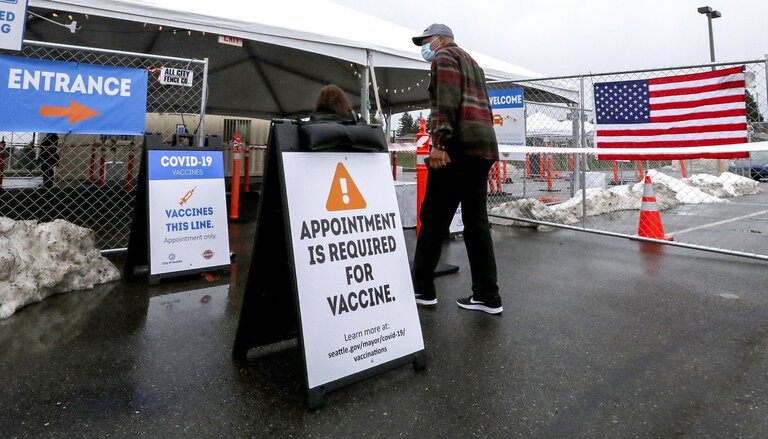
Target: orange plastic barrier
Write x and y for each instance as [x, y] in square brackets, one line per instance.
[549, 172]
[494, 179]
[234, 211]
[527, 165]
[394, 166]
[422, 151]
[247, 169]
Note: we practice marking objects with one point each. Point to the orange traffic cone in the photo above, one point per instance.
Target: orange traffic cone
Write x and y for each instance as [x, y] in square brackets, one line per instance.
[650, 219]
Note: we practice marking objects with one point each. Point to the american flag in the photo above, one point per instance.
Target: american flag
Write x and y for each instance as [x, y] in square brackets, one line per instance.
[700, 109]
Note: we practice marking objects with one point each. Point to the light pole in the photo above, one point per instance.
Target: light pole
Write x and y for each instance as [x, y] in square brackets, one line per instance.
[710, 13]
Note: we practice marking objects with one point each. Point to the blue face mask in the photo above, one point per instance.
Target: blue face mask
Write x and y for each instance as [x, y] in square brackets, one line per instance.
[427, 53]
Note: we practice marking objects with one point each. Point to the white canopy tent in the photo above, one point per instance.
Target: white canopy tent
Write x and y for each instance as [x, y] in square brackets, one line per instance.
[541, 125]
[290, 49]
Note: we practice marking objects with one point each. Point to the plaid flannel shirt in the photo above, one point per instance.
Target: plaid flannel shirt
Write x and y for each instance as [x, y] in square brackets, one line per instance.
[461, 119]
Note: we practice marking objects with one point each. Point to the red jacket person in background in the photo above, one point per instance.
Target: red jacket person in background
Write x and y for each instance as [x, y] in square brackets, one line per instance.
[463, 150]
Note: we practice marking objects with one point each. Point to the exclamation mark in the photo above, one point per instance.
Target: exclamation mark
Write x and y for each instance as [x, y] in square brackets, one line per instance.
[345, 197]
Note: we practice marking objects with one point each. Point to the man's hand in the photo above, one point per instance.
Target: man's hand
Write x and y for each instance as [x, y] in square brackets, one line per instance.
[438, 158]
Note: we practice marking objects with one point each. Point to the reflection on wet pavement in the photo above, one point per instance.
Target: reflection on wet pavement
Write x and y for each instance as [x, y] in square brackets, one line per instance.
[39, 327]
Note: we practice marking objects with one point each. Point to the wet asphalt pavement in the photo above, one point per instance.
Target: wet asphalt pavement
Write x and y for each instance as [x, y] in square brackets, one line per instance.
[600, 337]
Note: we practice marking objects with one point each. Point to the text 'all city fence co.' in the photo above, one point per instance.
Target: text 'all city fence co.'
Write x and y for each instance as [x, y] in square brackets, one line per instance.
[187, 210]
[352, 275]
[171, 76]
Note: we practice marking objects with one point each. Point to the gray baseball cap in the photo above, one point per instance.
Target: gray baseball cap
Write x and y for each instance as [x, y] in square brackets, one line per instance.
[432, 30]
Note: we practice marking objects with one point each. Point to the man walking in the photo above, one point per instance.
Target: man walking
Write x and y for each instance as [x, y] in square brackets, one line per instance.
[463, 150]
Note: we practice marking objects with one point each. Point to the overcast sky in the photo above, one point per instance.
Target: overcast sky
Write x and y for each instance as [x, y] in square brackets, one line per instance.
[565, 37]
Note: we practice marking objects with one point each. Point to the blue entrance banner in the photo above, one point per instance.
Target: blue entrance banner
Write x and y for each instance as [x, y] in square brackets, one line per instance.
[67, 97]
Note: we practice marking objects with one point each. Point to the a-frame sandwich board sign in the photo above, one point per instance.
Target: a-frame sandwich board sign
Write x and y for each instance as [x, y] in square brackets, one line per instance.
[329, 263]
[179, 223]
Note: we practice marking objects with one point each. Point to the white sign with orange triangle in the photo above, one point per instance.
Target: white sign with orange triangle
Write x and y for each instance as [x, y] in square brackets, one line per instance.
[344, 194]
[356, 301]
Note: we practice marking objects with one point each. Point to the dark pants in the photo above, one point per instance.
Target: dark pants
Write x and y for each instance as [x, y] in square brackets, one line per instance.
[463, 181]
[48, 173]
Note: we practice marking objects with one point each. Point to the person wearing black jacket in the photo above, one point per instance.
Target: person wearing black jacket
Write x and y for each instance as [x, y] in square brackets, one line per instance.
[332, 106]
[48, 158]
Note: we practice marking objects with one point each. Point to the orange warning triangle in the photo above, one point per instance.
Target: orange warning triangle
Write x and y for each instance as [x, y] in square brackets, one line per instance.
[344, 194]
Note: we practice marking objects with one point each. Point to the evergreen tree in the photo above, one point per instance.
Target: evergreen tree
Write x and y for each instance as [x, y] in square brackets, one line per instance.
[753, 110]
[406, 125]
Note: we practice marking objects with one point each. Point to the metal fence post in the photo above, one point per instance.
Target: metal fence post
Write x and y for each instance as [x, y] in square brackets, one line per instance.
[766, 86]
[582, 144]
[203, 104]
[575, 142]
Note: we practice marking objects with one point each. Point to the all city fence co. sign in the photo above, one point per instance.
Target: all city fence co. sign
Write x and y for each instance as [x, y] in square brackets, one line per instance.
[354, 286]
[68, 97]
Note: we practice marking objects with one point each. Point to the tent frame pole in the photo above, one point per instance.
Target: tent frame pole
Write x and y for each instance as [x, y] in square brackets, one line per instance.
[365, 95]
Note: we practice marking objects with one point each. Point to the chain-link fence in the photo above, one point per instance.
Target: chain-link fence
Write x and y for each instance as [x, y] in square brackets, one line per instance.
[716, 204]
[90, 180]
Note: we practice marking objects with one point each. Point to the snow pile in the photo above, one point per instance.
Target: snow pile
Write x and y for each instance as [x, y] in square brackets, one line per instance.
[38, 260]
[686, 194]
[669, 193]
[532, 209]
[726, 185]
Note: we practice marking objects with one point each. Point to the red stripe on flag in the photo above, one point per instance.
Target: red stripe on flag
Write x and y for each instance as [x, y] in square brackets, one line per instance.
[677, 130]
[695, 90]
[672, 143]
[723, 155]
[702, 115]
[696, 76]
[701, 102]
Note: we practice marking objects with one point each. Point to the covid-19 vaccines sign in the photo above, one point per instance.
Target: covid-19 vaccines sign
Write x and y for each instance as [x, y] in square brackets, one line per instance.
[354, 286]
[187, 211]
